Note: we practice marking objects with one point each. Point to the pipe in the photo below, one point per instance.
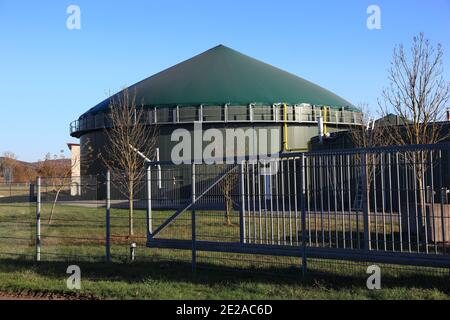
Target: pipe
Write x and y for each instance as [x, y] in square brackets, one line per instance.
[140, 154]
[285, 130]
[321, 131]
[143, 156]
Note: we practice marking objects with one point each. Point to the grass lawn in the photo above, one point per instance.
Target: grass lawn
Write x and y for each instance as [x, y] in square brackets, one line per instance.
[175, 281]
[76, 236]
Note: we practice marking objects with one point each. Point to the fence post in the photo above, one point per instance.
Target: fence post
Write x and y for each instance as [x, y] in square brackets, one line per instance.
[108, 217]
[38, 219]
[303, 200]
[149, 202]
[32, 190]
[443, 213]
[193, 222]
[242, 208]
[365, 202]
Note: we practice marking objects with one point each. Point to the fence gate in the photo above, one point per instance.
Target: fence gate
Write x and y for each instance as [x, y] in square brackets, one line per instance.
[386, 205]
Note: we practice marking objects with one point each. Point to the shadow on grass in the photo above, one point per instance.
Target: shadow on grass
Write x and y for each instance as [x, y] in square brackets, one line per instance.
[210, 274]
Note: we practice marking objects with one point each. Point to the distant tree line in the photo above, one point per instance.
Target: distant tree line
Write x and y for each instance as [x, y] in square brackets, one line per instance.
[14, 170]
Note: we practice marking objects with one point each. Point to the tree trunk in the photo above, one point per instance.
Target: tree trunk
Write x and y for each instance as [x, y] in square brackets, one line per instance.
[130, 210]
[53, 206]
[229, 206]
[422, 216]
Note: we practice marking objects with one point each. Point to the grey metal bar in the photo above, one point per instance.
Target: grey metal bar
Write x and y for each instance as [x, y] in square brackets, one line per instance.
[328, 175]
[367, 244]
[349, 201]
[108, 216]
[296, 204]
[423, 199]
[336, 231]
[149, 201]
[264, 199]
[304, 257]
[258, 175]
[375, 202]
[399, 202]
[390, 194]
[271, 204]
[341, 168]
[249, 222]
[308, 200]
[389, 257]
[359, 177]
[321, 199]
[315, 189]
[38, 219]
[289, 197]
[407, 202]
[242, 209]
[277, 198]
[415, 202]
[193, 223]
[443, 222]
[283, 202]
[443, 199]
[432, 201]
[255, 233]
[383, 201]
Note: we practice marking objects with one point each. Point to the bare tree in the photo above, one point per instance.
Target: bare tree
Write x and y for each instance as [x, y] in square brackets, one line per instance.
[58, 172]
[417, 95]
[16, 170]
[9, 155]
[129, 133]
[227, 185]
[8, 162]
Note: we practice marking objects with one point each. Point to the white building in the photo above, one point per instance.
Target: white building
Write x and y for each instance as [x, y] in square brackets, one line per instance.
[75, 184]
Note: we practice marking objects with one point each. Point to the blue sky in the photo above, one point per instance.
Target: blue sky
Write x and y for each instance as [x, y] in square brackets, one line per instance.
[49, 75]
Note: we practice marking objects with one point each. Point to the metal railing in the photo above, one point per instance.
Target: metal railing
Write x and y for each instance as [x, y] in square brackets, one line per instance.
[217, 114]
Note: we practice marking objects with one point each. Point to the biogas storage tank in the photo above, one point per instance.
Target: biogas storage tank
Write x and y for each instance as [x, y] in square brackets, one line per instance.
[224, 89]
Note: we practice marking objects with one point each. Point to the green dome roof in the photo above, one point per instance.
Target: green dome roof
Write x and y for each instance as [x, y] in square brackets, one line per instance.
[222, 75]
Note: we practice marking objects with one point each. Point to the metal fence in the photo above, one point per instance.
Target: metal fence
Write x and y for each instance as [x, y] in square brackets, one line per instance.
[52, 218]
[15, 189]
[16, 220]
[297, 211]
[384, 205]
